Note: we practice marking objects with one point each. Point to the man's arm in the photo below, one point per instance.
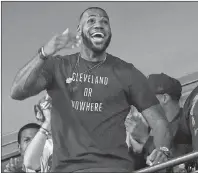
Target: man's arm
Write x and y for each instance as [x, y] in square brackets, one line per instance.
[159, 125]
[32, 78]
[35, 149]
[29, 81]
[141, 96]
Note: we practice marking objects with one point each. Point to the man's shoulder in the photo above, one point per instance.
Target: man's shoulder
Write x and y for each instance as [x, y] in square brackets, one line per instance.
[120, 63]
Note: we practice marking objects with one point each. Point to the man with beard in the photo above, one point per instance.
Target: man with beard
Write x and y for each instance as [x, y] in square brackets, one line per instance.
[91, 95]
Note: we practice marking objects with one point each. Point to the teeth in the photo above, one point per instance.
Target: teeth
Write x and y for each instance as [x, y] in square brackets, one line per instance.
[97, 33]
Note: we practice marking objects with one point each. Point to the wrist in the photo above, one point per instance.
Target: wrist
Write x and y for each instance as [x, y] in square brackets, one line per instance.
[166, 151]
[44, 132]
[48, 52]
[47, 126]
[42, 54]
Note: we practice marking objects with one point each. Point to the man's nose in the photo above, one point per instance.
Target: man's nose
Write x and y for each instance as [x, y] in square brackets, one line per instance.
[99, 25]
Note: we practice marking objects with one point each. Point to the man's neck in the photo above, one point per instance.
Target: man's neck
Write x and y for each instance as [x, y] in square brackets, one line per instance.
[172, 111]
[89, 55]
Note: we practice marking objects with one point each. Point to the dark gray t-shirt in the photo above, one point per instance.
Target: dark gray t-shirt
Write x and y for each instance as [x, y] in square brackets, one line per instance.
[89, 111]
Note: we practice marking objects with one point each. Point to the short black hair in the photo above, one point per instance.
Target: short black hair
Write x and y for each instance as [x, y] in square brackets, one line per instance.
[162, 83]
[27, 126]
[92, 8]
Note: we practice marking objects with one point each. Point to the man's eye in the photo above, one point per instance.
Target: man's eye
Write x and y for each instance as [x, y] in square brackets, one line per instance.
[105, 22]
[26, 140]
[91, 21]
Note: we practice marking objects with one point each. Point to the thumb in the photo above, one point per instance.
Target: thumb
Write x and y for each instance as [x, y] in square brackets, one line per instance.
[66, 31]
[152, 156]
[128, 140]
[47, 96]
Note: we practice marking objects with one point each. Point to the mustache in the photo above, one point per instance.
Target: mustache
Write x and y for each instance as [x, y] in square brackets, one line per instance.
[87, 41]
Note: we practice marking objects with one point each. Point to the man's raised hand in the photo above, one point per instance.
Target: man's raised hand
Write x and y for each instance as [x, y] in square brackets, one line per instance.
[65, 40]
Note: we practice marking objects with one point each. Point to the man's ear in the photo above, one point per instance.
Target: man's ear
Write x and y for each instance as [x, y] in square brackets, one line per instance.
[166, 98]
[19, 146]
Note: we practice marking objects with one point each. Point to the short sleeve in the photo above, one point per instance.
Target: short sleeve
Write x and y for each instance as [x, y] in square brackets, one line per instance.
[139, 92]
[47, 71]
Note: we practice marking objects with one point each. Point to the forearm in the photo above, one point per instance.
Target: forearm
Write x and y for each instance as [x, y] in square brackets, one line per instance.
[159, 125]
[162, 134]
[26, 78]
[35, 151]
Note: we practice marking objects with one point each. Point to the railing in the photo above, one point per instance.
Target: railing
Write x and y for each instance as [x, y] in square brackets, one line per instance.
[15, 153]
[189, 83]
[11, 142]
[170, 163]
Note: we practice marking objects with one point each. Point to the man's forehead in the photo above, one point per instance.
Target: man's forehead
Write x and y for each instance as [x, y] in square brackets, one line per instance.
[29, 132]
[95, 12]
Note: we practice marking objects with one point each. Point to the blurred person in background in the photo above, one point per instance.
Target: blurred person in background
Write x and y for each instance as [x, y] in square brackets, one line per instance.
[38, 155]
[25, 136]
[188, 128]
[168, 92]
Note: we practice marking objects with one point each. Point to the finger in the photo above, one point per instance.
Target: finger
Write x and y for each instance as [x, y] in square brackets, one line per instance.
[66, 39]
[70, 37]
[159, 158]
[66, 31]
[15, 161]
[47, 97]
[148, 162]
[62, 43]
[153, 155]
[78, 43]
[74, 46]
[137, 147]
[8, 165]
[54, 38]
[127, 140]
[11, 161]
[162, 159]
[46, 106]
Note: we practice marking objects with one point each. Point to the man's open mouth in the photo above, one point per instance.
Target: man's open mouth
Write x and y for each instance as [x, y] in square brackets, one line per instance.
[97, 36]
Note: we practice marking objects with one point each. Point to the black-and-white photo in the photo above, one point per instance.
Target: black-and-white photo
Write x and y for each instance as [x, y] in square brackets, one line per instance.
[99, 86]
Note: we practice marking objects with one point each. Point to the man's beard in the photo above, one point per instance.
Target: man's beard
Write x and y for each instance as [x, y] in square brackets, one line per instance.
[88, 43]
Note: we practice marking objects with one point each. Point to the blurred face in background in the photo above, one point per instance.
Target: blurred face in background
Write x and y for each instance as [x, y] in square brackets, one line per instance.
[26, 137]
